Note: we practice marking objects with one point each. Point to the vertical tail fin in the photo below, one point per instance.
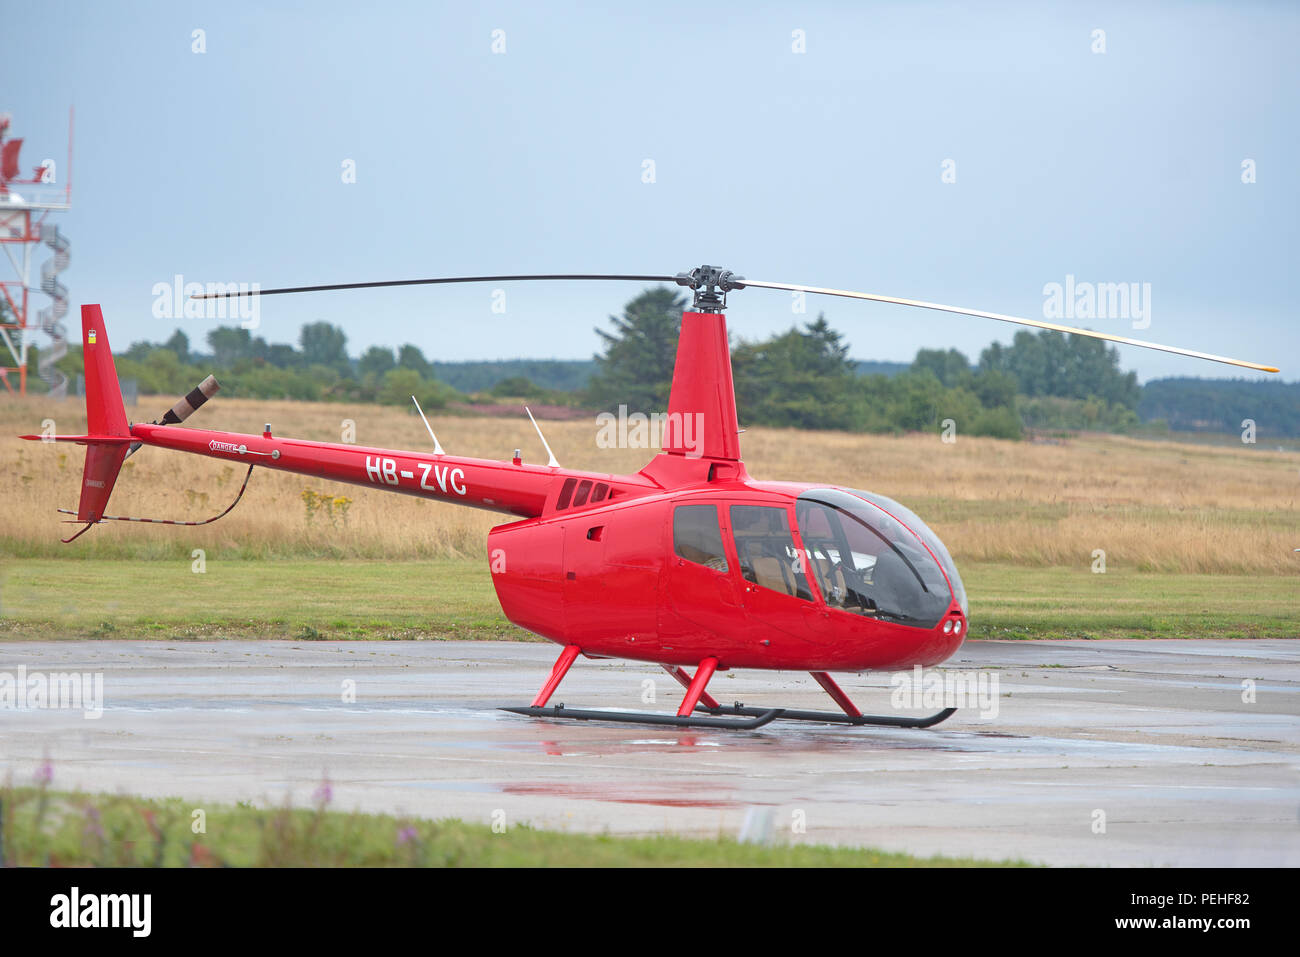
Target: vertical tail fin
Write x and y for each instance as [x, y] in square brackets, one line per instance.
[108, 437]
[105, 412]
[105, 415]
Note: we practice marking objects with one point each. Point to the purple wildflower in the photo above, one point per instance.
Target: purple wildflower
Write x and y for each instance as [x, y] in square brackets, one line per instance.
[324, 793]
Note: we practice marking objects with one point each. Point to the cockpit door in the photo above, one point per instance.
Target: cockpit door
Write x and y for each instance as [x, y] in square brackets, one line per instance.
[701, 586]
[778, 599]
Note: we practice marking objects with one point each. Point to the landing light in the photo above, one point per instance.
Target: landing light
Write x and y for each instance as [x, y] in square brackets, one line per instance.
[947, 627]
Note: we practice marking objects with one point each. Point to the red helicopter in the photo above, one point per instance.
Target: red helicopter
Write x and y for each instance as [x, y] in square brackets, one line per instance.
[689, 563]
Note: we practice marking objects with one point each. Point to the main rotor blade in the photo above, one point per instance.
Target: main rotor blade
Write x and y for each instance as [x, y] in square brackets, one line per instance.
[425, 282]
[1037, 323]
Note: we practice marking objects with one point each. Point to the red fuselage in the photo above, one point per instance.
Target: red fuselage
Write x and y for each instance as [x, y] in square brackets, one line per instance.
[612, 578]
[685, 561]
[598, 559]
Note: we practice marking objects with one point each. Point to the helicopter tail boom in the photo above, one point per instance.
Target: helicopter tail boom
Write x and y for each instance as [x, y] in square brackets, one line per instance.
[519, 490]
[511, 487]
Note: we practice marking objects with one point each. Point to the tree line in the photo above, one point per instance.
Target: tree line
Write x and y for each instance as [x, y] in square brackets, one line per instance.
[1223, 405]
[801, 378]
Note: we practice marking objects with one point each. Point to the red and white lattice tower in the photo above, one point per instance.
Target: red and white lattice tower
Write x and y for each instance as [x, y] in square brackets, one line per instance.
[25, 208]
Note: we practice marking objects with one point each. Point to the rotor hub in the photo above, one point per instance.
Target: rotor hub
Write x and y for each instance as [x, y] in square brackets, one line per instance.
[711, 285]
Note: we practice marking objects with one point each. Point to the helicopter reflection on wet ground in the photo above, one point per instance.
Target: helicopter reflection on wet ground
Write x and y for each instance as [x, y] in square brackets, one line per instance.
[1102, 752]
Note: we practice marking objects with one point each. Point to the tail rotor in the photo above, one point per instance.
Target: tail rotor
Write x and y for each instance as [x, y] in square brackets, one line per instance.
[108, 438]
[185, 407]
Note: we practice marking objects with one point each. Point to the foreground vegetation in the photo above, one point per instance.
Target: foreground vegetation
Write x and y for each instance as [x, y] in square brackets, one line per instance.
[453, 599]
[44, 828]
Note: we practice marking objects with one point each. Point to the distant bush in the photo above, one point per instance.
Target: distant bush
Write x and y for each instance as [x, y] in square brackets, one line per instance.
[1220, 405]
[1079, 415]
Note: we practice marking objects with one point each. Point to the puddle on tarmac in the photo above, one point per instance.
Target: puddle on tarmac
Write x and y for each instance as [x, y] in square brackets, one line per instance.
[614, 794]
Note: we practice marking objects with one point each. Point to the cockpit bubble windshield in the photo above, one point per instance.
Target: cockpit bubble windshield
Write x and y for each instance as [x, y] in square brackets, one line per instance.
[875, 558]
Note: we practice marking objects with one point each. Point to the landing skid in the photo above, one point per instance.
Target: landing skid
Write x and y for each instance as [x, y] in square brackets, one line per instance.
[830, 717]
[699, 710]
[747, 720]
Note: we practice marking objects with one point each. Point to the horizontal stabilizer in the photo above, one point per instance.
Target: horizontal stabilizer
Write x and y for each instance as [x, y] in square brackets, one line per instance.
[82, 439]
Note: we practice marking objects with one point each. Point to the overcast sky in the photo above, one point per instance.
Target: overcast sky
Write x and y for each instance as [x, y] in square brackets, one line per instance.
[823, 167]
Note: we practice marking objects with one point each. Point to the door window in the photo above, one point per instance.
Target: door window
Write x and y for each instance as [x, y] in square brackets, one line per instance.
[766, 550]
[696, 536]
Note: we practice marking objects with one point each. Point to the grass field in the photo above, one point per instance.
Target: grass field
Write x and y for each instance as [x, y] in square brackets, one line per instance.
[1150, 505]
[454, 599]
[1198, 539]
[44, 828]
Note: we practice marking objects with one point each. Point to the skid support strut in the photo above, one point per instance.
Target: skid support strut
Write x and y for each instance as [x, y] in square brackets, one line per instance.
[836, 692]
[685, 717]
[695, 690]
[678, 672]
[558, 671]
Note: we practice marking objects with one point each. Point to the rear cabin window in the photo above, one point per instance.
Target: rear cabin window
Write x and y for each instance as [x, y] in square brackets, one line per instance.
[566, 493]
[568, 496]
[584, 489]
[766, 550]
[696, 536]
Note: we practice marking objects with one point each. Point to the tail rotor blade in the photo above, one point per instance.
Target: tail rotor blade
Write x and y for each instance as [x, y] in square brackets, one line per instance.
[191, 403]
[184, 407]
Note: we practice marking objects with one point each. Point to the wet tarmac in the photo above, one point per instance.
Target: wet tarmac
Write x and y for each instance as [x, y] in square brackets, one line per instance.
[1101, 753]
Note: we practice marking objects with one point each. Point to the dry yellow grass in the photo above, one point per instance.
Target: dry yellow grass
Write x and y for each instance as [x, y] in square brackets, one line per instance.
[1149, 505]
